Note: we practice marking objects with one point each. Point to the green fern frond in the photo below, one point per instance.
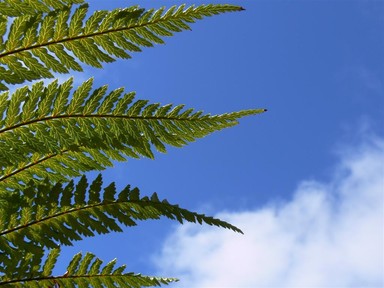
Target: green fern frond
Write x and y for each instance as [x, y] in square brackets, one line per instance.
[15, 8]
[49, 132]
[52, 215]
[82, 271]
[20, 263]
[38, 45]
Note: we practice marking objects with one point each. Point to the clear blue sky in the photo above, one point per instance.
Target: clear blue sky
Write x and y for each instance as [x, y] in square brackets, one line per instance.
[318, 68]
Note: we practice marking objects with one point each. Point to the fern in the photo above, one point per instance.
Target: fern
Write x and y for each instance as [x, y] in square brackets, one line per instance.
[51, 133]
[32, 7]
[59, 138]
[53, 215]
[82, 271]
[38, 45]
[45, 216]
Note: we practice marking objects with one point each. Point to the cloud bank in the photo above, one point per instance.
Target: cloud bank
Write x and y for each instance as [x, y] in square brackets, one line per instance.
[327, 235]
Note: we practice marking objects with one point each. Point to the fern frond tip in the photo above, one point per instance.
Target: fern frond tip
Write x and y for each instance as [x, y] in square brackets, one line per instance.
[247, 112]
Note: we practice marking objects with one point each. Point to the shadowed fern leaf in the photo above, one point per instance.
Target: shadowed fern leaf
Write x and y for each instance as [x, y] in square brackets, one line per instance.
[45, 216]
[52, 215]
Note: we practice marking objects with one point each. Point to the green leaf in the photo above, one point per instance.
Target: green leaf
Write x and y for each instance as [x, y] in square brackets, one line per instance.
[50, 262]
[51, 133]
[50, 137]
[74, 211]
[59, 41]
[32, 7]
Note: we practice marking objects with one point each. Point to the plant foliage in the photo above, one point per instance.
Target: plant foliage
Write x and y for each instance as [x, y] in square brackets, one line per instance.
[52, 133]
[58, 41]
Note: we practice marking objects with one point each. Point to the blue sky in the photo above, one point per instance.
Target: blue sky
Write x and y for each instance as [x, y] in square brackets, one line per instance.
[292, 178]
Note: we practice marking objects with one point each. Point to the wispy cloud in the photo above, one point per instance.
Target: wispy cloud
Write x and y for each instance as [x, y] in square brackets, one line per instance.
[365, 79]
[328, 235]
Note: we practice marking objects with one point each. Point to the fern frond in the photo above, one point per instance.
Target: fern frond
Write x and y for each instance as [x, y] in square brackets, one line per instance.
[51, 132]
[15, 8]
[82, 271]
[52, 215]
[20, 263]
[36, 46]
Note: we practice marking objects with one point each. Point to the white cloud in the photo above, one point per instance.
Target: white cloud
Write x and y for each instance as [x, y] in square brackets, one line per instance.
[327, 235]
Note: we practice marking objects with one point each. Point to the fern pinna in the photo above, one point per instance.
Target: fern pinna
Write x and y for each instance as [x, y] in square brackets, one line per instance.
[51, 133]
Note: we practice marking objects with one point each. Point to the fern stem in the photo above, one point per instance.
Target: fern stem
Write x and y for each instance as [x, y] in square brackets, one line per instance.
[100, 204]
[105, 116]
[31, 165]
